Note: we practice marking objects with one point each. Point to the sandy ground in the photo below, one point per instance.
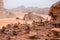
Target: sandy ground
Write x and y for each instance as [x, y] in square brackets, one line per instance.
[4, 22]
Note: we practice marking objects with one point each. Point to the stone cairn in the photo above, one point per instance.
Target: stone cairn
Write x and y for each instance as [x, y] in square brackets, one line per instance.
[55, 20]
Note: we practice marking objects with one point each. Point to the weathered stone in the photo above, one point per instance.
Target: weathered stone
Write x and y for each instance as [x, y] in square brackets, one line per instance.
[55, 20]
[55, 11]
[56, 33]
[55, 14]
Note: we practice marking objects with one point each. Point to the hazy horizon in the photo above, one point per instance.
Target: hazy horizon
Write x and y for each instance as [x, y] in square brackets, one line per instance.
[10, 4]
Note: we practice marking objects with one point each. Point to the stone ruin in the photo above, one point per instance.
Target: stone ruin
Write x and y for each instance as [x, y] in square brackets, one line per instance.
[55, 20]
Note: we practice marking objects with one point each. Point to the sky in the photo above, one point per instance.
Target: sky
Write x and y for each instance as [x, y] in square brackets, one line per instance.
[10, 4]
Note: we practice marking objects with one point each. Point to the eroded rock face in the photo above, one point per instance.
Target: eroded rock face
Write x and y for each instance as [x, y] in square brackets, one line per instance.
[55, 11]
[32, 17]
[55, 20]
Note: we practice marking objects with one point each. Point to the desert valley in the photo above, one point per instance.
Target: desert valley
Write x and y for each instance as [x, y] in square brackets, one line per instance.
[30, 23]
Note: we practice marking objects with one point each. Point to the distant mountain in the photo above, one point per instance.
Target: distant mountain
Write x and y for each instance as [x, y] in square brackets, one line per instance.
[32, 9]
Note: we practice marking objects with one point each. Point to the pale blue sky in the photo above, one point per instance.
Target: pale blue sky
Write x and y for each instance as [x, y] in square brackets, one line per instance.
[9, 4]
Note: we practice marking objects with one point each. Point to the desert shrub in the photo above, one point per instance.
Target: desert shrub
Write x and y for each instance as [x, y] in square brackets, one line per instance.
[15, 26]
[9, 26]
[58, 25]
[17, 18]
[27, 29]
[15, 33]
[3, 29]
[34, 37]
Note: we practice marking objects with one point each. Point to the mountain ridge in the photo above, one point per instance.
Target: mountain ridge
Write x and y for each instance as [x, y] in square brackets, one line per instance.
[31, 9]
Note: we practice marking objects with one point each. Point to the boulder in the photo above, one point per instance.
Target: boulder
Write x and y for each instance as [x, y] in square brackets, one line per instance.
[55, 13]
[56, 33]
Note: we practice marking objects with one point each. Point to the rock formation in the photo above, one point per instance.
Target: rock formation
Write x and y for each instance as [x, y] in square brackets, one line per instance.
[1, 4]
[31, 17]
[55, 11]
[3, 12]
[55, 19]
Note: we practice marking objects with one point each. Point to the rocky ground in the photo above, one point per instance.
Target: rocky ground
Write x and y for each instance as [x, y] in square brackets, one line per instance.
[35, 31]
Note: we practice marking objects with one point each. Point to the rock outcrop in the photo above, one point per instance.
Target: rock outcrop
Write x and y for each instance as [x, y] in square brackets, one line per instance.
[1, 4]
[55, 13]
[6, 14]
[55, 20]
[31, 17]
[3, 12]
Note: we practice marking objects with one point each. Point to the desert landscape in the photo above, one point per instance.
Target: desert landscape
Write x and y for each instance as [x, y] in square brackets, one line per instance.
[30, 23]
